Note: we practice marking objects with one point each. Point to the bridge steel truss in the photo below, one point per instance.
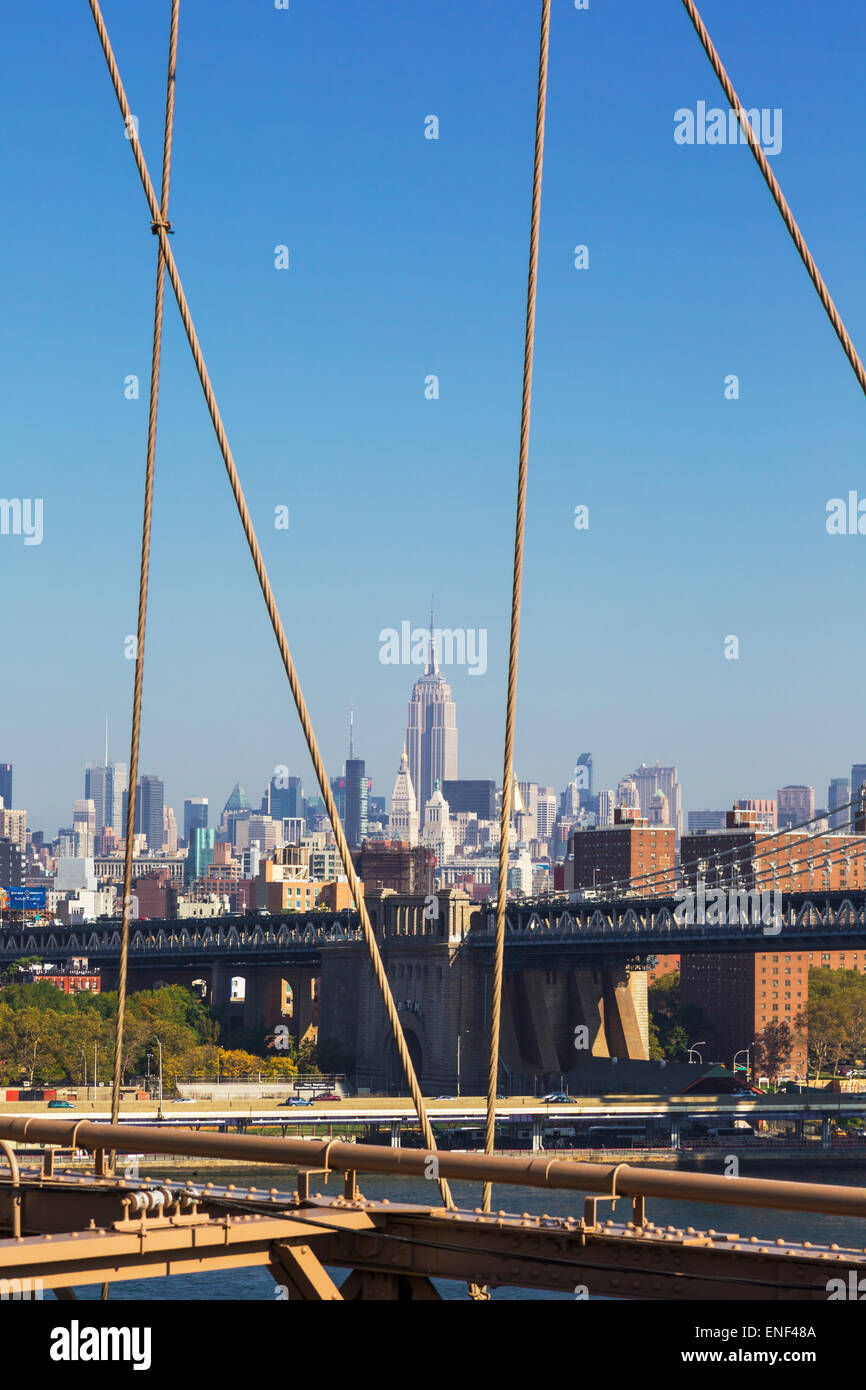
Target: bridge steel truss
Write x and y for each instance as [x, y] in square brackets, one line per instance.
[68, 1230]
[638, 927]
[616, 928]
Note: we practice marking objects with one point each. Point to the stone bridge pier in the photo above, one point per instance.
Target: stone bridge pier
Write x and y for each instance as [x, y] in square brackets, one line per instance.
[555, 1016]
[264, 996]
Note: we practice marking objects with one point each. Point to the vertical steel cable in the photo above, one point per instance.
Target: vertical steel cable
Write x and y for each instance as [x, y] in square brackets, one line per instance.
[162, 219]
[777, 194]
[517, 582]
[270, 603]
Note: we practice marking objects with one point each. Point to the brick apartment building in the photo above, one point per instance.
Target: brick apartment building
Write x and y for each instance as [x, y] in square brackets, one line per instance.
[739, 995]
[630, 849]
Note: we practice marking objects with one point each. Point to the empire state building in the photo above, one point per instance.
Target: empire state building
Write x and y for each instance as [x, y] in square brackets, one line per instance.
[431, 729]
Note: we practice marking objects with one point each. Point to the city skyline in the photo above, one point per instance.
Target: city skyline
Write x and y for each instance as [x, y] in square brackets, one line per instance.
[822, 798]
[408, 258]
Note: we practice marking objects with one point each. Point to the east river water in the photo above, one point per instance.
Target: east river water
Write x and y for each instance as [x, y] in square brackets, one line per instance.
[257, 1283]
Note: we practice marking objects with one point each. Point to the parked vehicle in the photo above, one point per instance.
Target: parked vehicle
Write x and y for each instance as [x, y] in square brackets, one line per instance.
[296, 1100]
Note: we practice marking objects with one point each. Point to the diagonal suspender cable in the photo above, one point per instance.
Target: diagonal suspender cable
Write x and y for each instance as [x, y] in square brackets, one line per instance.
[778, 195]
[517, 582]
[270, 601]
[162, 218]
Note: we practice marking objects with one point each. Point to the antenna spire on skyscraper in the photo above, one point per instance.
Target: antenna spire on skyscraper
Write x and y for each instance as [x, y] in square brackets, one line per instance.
[351, 734]
[432, 668]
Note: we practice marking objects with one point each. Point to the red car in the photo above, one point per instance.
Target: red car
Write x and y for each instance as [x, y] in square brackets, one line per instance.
[328, 1095]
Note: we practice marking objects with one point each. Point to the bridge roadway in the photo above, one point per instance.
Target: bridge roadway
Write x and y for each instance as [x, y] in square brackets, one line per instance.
[620, 929]
[399, 1116]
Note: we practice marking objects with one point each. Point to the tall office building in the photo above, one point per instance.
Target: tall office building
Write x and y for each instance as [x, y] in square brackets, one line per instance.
[627, 794]
[477, 796]
[858, 777]
[403, 822]
[431, 729]
[236, 809]
[546, 811]
[839, 794]
[104, 785]
[795, 805]
[338, 791]
[356, 802]
[195, 812]
[6, 783]
[583, 778]
[84, 828]
[284, 797]
[200, 855]
[11, 864]
[606, 807]
[149, 808]
[13, 826]
[169, 831]
[650, 780]
[529, 797]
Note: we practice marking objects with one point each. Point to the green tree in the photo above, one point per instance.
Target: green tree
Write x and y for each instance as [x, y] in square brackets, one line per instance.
[773, 1048]
[672, 1023]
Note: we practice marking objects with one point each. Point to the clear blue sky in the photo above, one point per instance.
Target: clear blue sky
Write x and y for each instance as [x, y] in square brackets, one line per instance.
[408, 257]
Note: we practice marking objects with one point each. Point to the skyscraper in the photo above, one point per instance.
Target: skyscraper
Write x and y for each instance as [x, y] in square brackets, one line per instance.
[201, 853]
[546, 811]
[104, 785]
[284, 797]
[650, 780]
[84, 828]
[839, 794]
[195, 812]
[149, 811]
[858, 777]
[403, 822]
[583, 777]
[6, 783]
[357, 788]
[431, 729]
[795, 805]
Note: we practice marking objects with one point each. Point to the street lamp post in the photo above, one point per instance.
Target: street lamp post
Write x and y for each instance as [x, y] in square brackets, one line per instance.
[747, 1050]
[159, 1110]
[694, 1048]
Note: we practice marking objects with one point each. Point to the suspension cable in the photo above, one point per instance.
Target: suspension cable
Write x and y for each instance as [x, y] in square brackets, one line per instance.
[516, 588]
[132, 784]
[270, 602]
[777, 194]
